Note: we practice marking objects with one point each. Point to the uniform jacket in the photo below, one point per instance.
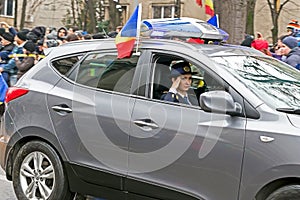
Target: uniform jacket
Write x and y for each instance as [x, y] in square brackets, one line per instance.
[179, 99]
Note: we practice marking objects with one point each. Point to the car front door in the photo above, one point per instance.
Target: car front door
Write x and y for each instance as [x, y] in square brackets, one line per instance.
[90, 111]
[180, 151]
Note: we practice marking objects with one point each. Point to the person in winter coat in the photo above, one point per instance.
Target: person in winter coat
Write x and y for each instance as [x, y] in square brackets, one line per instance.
[62, 33]
[24, 65]
[289, 48]
[7, 40]
[9, 70]
[261, 44]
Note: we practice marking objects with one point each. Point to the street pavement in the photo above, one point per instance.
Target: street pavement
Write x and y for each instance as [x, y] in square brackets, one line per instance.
[6, 188]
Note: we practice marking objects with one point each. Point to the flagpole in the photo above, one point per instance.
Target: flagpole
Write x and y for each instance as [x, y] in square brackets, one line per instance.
[135, 3]
[138, 30]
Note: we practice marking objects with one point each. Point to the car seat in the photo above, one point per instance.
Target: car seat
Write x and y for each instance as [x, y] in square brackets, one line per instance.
[161, 82]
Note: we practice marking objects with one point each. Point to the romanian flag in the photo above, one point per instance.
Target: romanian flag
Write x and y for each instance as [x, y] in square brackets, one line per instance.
[126, 38]
[199, 2]
[209, 7]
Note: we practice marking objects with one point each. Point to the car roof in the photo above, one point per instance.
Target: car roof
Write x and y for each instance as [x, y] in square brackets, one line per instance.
[209, 50]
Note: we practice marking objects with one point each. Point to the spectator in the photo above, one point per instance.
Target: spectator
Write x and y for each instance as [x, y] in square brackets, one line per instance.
[9, 70]
[87, 37]
[289, 48]
[27, 62]
[72, 37]
[8, 28]
[261, 44]
[61, 34]
[73, 30]
[98, 36]
[181, 76]
[7, 41]
[113, 34]
[248, 40]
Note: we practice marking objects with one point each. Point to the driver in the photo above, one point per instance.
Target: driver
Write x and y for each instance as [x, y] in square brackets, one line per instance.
[181, 76]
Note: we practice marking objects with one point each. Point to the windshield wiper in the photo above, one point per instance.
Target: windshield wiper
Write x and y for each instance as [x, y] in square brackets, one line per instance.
[289, 110]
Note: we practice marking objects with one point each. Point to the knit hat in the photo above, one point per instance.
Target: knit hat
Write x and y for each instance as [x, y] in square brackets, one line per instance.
[22, 35]
[32, 36]
[290, 41]
[2, 30]
[39, 31]
[29, 46]
[8, 36]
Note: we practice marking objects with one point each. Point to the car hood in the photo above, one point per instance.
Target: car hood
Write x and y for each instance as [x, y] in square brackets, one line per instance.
[294, 119]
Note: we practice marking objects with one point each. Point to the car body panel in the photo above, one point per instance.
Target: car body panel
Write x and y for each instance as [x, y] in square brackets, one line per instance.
[209, 145]
[266, 161]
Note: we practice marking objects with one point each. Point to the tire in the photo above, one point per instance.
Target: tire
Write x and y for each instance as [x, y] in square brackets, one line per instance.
[38, 173]
[289, 192]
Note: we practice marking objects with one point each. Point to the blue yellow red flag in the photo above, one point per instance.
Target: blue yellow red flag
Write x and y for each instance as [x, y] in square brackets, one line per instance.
[127, 36]
[209, 7]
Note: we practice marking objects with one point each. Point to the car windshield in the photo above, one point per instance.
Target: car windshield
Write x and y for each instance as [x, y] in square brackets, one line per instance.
[277, 84]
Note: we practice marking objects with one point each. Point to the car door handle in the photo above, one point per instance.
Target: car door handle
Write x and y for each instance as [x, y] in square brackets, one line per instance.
[62, 108]
[144, 123]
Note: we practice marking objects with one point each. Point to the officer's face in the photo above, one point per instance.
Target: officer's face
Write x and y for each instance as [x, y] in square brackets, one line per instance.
[185, 82]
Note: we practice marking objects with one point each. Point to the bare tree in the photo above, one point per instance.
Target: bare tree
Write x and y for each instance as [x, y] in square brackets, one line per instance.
[16, 13]
[276, 7]
[34, 6]
[232, 17]
[250, 17]
[23, 14]
[91, 11]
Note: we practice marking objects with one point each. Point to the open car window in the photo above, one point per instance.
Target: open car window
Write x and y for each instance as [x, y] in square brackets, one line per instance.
[202, 80]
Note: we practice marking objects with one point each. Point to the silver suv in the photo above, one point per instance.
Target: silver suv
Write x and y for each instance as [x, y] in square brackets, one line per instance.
[83, 121]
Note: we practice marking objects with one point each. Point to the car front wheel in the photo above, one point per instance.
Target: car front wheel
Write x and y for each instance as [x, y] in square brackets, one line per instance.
[38, 173]
[289, 192]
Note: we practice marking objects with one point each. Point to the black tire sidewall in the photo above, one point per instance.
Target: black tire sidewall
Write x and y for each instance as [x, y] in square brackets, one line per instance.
[60, 190]
[289, 192]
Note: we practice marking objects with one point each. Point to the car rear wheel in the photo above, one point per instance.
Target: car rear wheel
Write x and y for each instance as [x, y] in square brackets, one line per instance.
[290, 192]
[38, 173]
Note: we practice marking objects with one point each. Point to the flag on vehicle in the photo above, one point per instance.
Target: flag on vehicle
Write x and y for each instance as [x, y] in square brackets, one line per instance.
[199, 2]
[3, 89]
[130, 32]
[209, 7]
[214, 20]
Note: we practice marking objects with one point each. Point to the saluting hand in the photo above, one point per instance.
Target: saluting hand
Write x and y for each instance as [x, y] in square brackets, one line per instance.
[176, 82]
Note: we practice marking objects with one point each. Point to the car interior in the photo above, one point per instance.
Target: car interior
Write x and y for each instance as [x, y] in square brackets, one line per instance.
[162, 82]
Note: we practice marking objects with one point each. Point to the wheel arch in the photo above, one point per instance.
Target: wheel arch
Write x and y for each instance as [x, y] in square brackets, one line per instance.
[24, 136]
[266, 190]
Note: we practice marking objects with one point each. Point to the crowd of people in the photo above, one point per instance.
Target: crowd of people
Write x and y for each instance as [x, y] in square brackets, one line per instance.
[20, 50]
[285, 49]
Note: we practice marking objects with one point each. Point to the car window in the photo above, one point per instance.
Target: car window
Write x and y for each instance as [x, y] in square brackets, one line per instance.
[105, 71]
[202, 79]
[63, 65]
[275, 83]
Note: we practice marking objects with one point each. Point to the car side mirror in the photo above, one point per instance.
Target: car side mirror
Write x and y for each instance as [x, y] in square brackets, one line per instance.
[220, 102]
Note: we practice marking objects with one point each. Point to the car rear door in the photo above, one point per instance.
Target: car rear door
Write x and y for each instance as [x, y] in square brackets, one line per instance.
[179, 151]
[90, 112]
